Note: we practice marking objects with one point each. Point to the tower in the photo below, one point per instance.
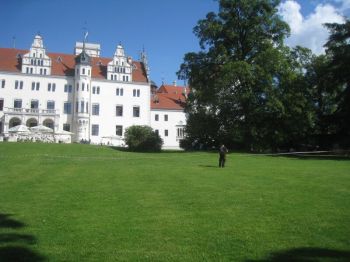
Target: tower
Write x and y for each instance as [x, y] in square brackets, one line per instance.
[82, 96]
[144, 60]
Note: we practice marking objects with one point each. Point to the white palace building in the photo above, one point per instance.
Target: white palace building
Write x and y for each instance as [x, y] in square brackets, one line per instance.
[94, 98]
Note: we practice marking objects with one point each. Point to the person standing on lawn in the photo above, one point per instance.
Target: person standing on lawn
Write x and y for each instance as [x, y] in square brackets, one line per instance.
[222, 155]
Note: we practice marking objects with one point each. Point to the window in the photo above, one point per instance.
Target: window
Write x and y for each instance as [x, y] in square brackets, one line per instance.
[44, 71]
[76, 106]
[136, 92]
[27, 70]
[95, 109]
[87, 107]
[81, 106]
[82, 86]
[77, 71]
[19, 84]
[119, 91]
[156, 117]
[136, 111]
[119, 110]
[94, 89]
[1, 104]
[33, 86]
[17, 103]
[37, 86]
[67, 108]
[98, 90]
[31, 70]
[180, 132]
[83, 71]
[166, 132]
[70, 88]
[66, 127]
[156, 131]
[66, 88]
[34, 104]
[119, 130]
[53, 87]
[49, 87]
[3, 83]
[165, 117]
[77, 86]
[50, 105]
[94, 130]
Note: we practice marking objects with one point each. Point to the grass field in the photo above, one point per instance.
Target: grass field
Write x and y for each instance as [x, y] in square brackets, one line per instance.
[86, 203]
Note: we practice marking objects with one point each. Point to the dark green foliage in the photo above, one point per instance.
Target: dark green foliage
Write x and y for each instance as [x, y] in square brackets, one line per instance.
[251, 91]
[338, 48]
[142, 138]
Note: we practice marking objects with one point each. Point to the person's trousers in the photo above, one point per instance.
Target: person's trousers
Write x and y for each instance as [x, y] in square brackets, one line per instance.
[222, 160]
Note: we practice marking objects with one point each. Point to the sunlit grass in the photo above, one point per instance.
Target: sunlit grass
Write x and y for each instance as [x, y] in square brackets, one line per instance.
[80, 202]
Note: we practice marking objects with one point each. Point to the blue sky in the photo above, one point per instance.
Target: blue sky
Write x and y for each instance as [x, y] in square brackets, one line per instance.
[162, 27]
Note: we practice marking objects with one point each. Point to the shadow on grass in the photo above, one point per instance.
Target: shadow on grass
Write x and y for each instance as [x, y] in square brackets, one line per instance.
[13, 237]
[14, 246]
[316, 157]
[211, 166]
[307, 255]
[19, 254]
[7, 222]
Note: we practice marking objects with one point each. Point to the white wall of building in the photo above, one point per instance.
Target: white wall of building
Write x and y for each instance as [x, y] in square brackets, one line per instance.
[176, 120]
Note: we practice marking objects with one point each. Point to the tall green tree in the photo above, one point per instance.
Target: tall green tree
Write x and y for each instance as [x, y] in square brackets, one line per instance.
[338, 49]
[235, 78]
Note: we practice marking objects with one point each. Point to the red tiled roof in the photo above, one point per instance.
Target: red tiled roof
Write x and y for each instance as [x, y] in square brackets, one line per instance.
[169, 97]
[63, 64]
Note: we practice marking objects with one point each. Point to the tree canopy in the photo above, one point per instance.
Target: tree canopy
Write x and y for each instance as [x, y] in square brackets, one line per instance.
[251, 91]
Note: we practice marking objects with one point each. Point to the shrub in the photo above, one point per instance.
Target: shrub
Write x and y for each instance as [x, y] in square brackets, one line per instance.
[142, 138]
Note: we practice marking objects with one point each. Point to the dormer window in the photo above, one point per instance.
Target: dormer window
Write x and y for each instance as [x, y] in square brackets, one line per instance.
[35, 57]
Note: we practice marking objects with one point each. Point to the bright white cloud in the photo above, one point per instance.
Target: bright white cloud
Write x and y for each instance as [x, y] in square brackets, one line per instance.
[309, 31]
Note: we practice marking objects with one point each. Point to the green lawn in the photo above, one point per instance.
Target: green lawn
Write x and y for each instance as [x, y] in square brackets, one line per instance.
[88, 203]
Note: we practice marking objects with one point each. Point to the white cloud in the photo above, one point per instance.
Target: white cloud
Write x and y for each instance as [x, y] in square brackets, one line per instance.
[309, 31]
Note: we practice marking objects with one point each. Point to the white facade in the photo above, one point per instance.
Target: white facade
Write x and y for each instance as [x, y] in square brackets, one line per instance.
[95, 98]
[169, 124]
